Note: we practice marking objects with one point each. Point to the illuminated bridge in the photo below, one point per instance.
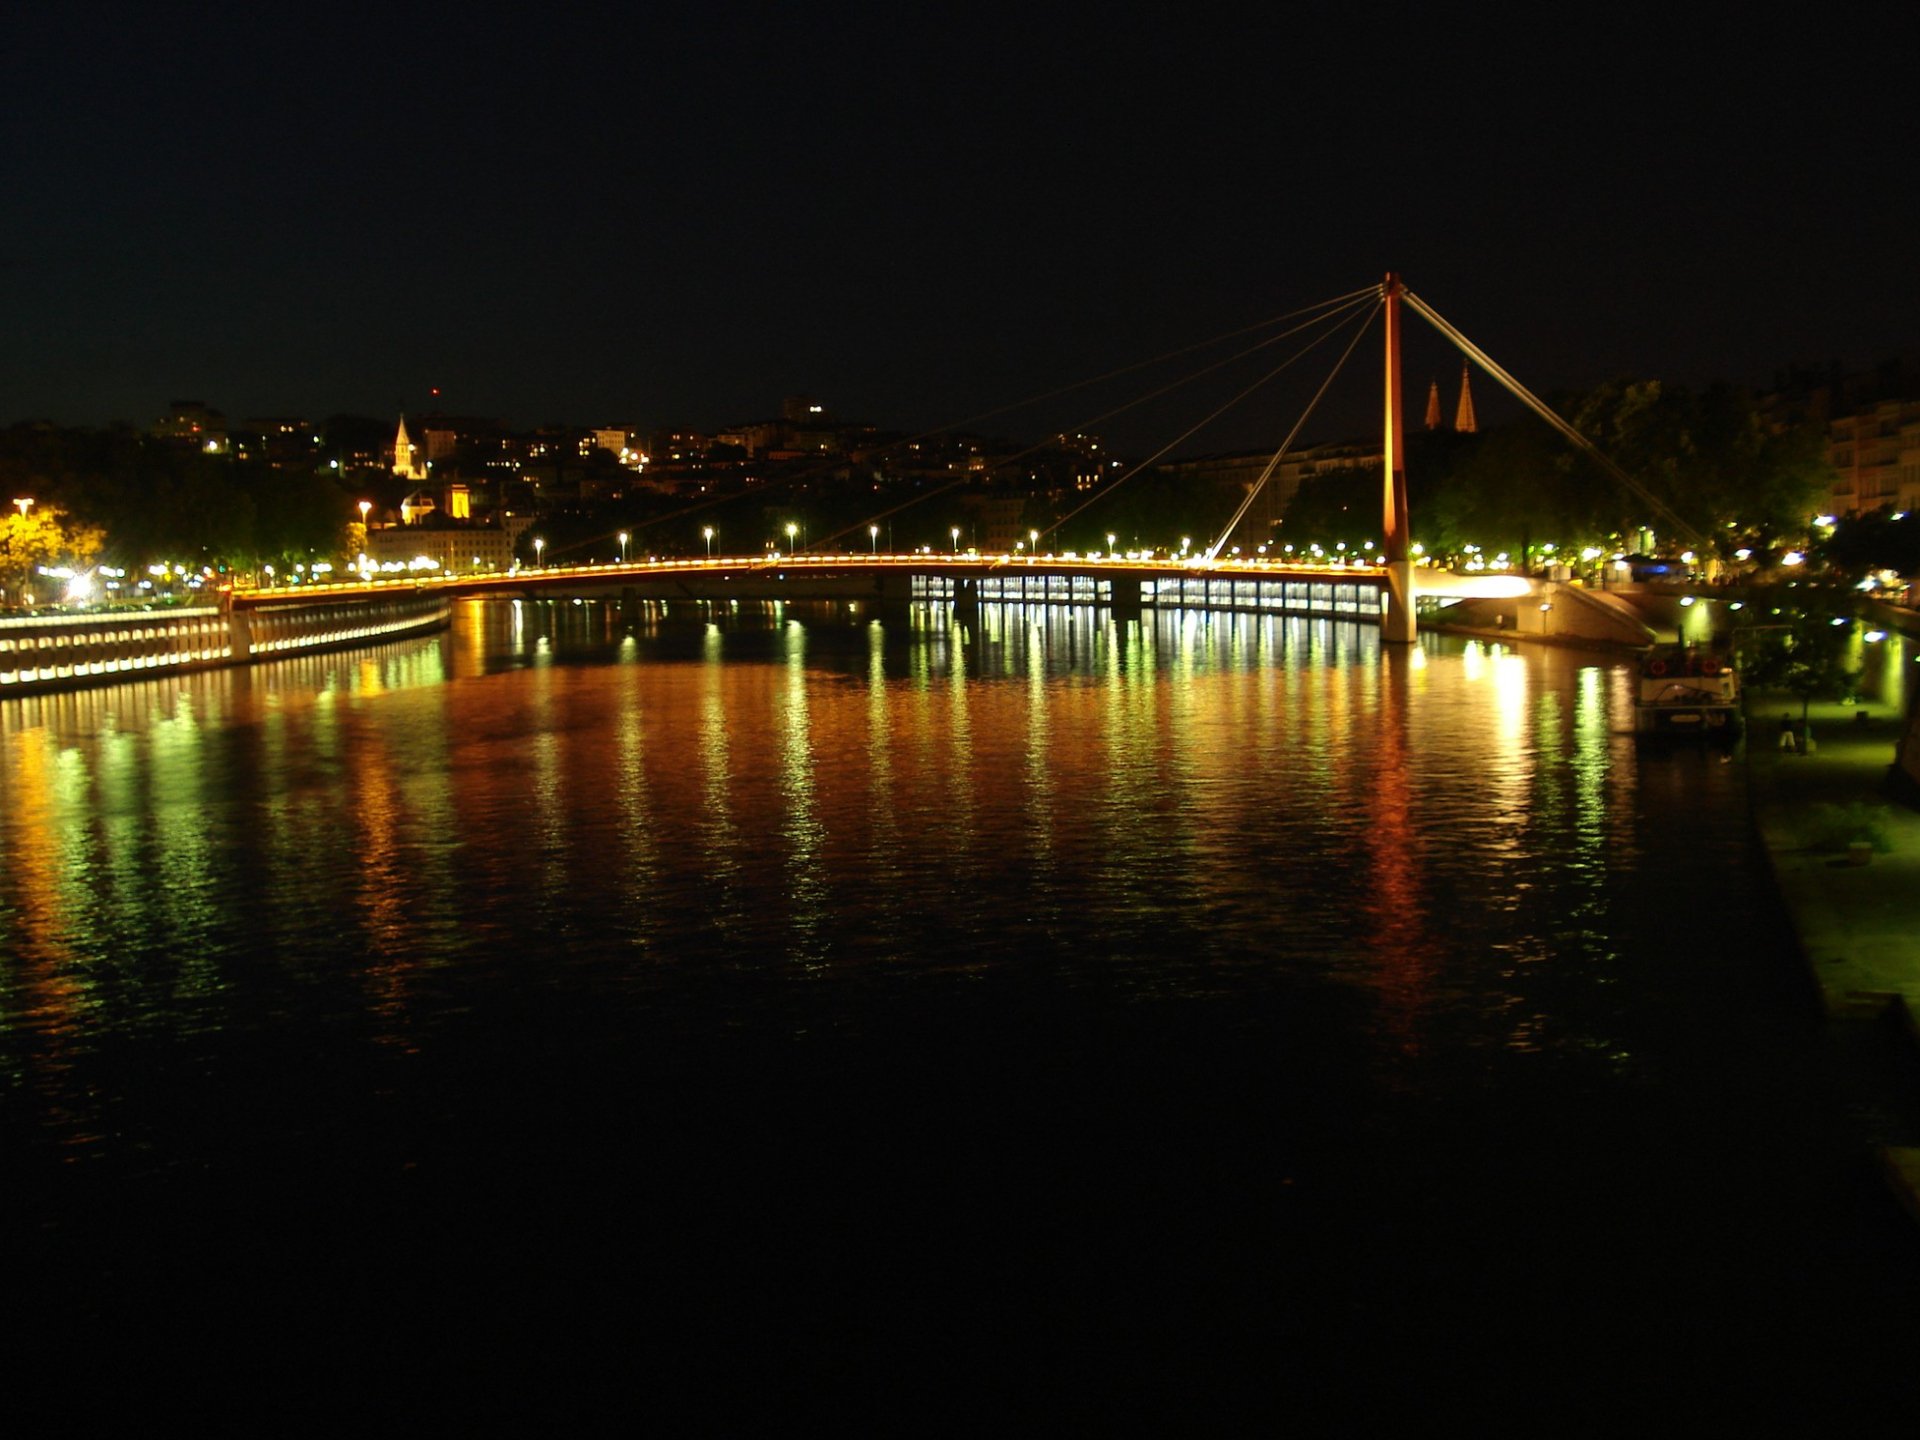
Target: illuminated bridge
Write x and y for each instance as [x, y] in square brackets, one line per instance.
[39, 653]
[1126, 585]
[1387, 590]
[47, 653]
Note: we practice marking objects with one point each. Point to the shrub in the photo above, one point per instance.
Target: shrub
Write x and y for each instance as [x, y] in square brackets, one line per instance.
[1834, 827]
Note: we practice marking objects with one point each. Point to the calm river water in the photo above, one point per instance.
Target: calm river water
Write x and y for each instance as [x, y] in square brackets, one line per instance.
[1197, 1018]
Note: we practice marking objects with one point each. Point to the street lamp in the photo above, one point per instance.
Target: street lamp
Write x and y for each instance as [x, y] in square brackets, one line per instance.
[25, 503]
[538, 546]
[792, 530]
[707, 531]
[1033, 541]
[873, 535]
[1109, 545]
[623, 547]
[956, 539]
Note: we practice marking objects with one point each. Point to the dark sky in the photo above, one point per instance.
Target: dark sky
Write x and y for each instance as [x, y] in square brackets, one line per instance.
[916, 212]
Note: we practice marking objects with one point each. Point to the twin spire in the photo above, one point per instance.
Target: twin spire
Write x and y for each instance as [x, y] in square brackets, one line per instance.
[1463, 418]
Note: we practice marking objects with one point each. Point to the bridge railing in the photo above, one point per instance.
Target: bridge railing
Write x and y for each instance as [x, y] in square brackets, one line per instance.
[1135, 581]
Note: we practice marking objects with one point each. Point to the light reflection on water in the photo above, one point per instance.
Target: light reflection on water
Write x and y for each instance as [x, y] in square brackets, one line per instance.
[1193, 804]
[1211, 985]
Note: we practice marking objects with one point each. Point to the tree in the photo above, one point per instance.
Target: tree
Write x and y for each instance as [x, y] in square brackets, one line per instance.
[298, 515]
[1520, 485]
[1703, 456]
[1876, 540]
[1801, 648]
[36, 535]
[1706, 456]
[1155, 507]
[1332, 508]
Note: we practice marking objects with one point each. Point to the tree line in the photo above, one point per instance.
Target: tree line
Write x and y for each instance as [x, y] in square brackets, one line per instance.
[121, 498]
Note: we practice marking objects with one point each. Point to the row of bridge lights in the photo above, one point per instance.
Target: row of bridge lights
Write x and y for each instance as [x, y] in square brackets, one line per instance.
[1476, 560]
[1033, 538]
[793, 530]
[1477, 557]
[1030, 545]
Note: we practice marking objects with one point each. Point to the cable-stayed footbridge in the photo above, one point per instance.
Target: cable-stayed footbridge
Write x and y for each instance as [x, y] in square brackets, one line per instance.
[1384, 587]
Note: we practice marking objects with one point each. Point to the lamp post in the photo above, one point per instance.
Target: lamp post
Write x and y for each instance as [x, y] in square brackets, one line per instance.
[538, 546]
[792, 530]
[1033, 542]
[707, 531]
[1110, 544]
[25, 503]
[873, 536]
[956, 539]
[623, 547]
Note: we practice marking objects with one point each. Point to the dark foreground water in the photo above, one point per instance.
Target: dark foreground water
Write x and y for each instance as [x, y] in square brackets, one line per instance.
[739, 1013]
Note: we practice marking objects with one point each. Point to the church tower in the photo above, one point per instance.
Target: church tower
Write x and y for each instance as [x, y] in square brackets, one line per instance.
[409, 461]
[1433, 406]
[1463, 420]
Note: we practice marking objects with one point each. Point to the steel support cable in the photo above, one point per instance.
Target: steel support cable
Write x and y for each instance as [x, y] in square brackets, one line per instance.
[1309, 310]
[1253, 494]
[1201, 424]
[1346, 300]
[1539, 407]
[1351, 303]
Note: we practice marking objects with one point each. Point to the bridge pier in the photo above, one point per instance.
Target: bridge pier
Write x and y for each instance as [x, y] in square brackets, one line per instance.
[1397, 623]
[1125, 597]
[895, 591]
[966, 597]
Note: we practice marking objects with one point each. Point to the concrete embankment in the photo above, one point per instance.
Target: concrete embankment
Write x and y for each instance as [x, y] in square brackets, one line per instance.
[40, 654]
[1846, 855]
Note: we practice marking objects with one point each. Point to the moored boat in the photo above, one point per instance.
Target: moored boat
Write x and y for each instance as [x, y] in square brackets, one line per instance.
[1686, 691]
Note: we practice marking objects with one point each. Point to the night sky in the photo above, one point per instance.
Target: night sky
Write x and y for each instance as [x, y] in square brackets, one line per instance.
[681, 215]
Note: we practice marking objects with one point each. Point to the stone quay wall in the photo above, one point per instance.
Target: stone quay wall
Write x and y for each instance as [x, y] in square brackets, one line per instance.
[42, 653]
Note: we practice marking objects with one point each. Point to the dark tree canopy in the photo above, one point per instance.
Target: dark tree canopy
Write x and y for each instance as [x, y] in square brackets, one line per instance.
[156, 500]
[1801, 645]
[1881, 539]
[1703, 455]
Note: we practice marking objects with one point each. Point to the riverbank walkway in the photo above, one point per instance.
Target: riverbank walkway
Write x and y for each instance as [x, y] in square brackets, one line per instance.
[1855, 908]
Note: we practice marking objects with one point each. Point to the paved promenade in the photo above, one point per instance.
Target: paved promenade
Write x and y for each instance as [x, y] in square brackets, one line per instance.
[1857, 911]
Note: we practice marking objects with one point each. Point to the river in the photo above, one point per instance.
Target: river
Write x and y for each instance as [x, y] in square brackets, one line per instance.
[1179, 1019]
